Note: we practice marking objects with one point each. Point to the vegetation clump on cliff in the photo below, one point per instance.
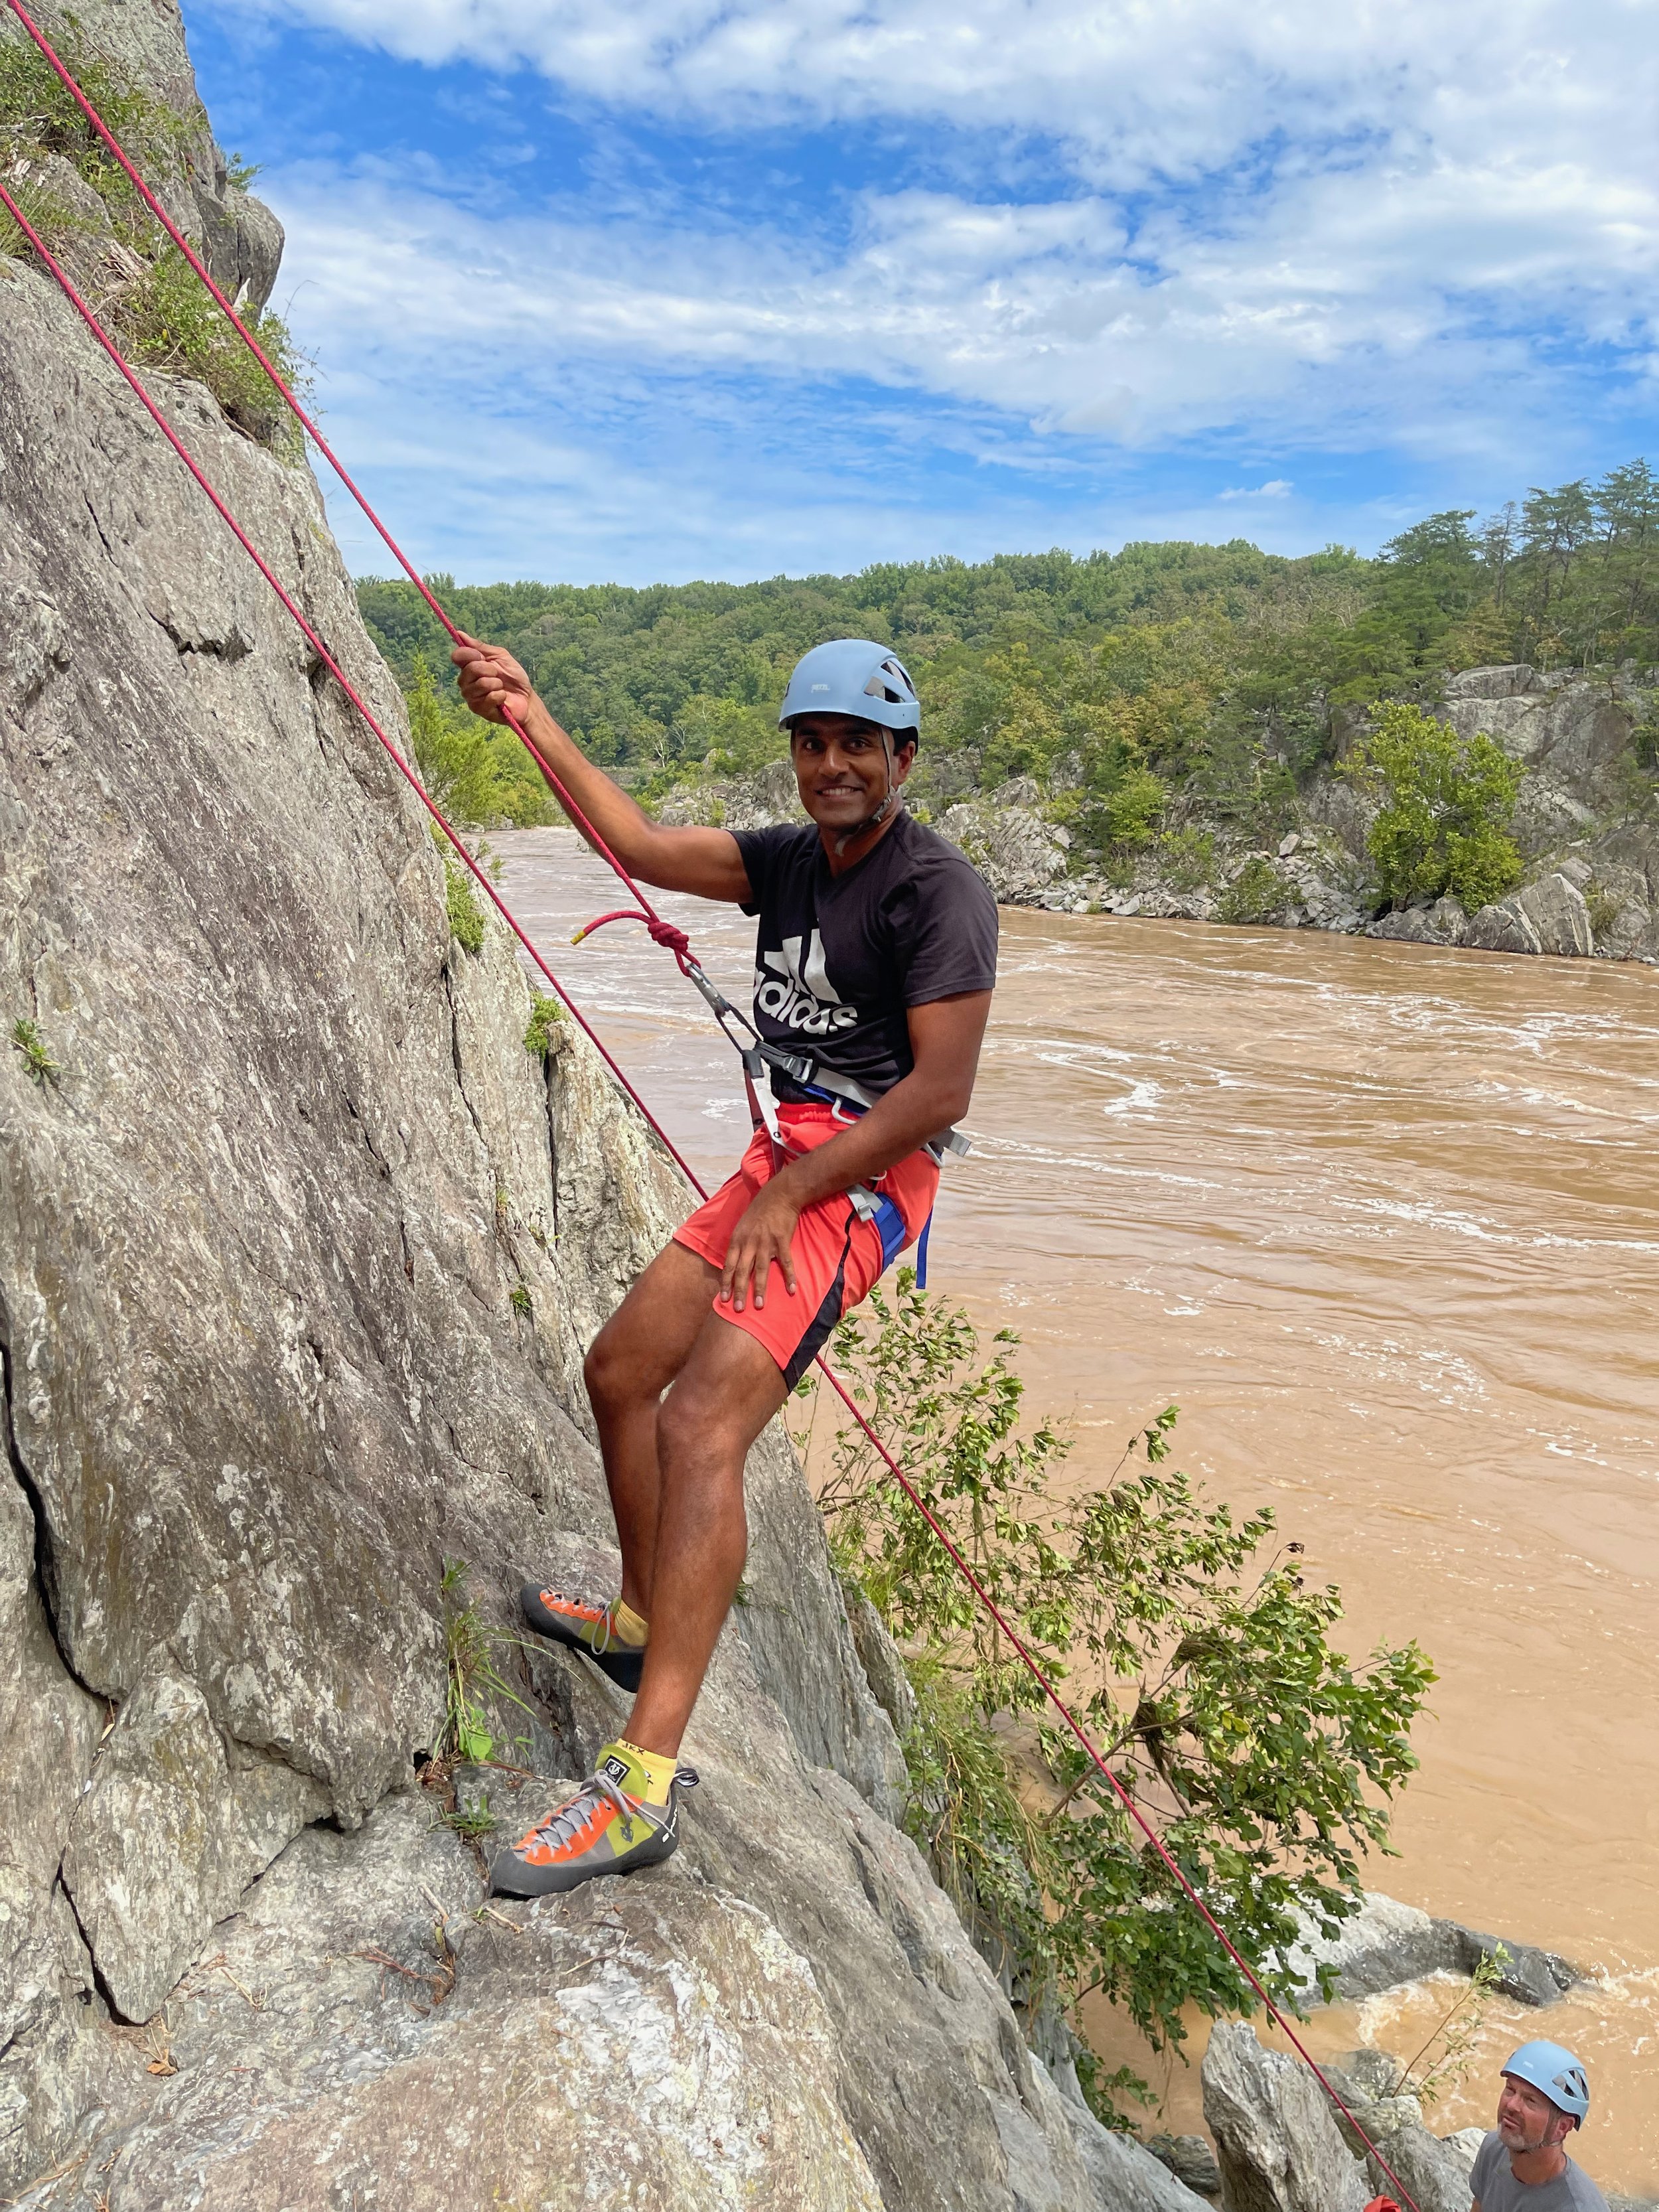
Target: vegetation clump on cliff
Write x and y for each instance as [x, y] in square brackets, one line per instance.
[1203, 1669]
[79, 199]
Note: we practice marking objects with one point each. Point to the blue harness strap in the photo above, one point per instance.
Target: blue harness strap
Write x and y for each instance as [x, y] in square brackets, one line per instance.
[877, 1208]
[889, 1224]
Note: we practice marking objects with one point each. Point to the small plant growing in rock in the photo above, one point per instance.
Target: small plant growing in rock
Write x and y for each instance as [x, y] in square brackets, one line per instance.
[546, 1022]
[470, 1672]
[466, 922]
[1258, 893]
[25, 1038]
[1451, 2049]
[1604, 908]
[168, 318]
[159, 309]
[519, 1300]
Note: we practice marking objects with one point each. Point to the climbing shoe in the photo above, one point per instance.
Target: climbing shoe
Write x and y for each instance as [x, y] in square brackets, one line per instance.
[611, 1826]
[587, 1624]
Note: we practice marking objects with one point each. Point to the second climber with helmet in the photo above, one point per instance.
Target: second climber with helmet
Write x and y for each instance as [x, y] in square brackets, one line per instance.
[875, 960]
[1522, 2165]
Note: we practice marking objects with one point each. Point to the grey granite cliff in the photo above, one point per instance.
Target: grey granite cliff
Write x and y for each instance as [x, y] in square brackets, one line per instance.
[299, 1251]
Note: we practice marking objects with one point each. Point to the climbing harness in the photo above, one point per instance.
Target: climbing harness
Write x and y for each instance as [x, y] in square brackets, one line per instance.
[663, 933]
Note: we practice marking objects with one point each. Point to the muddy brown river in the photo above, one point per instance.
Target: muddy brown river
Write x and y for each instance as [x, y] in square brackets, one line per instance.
[1384, 1222]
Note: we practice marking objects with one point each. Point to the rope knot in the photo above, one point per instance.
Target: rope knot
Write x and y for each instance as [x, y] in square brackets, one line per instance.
[665, 933]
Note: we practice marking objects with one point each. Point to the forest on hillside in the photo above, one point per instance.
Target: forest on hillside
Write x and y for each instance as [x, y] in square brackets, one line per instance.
[1214, 676]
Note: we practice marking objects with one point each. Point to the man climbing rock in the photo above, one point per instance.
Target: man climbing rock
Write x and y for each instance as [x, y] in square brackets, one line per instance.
[1522, 2165]
[875, 961]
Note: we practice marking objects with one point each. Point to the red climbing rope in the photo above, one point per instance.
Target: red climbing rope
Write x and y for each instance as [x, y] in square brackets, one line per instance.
[316, 643]
[663, 933]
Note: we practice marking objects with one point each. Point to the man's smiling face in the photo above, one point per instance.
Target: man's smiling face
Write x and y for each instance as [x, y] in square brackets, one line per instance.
[840, 767]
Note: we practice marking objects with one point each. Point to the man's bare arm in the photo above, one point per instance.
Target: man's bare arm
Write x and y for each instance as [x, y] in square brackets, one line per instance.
[945, 1037]
[703, 861]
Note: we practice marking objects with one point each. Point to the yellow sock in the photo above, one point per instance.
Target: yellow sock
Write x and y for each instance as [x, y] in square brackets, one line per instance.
[630, 1627]
[652, 1771]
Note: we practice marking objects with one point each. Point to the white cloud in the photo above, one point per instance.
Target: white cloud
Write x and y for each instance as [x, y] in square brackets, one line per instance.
[1168, 91]
[1419, 230]
[1345, 308]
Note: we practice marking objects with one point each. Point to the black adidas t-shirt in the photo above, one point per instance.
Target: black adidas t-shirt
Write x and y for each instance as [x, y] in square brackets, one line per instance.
[839, 959]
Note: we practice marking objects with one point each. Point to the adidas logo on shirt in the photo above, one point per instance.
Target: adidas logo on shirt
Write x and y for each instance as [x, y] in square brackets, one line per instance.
[799, 993]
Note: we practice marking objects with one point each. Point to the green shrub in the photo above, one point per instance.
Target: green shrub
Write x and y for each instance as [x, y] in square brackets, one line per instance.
[546, 1020]
[1202, 1668]
[164, 317]
[39, 114]
[1445, 806]
[1258, 893]
[54, 220]
[168, 318]
[1125, 814]
[1605, 907]
[476, 772]
[466, 921]
[1187, 858]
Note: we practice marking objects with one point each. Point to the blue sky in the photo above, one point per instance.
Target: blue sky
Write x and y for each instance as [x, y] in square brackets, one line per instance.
[651, 289]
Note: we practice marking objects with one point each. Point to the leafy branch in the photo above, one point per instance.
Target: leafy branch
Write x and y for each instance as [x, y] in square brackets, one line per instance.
[1198, 1656]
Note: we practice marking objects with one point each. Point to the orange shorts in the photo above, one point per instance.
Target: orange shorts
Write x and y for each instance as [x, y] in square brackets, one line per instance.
[839, 1257]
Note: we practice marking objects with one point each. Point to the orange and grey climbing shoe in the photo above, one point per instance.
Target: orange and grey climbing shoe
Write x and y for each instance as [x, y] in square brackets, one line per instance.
[610, 1827]
[587, 1624]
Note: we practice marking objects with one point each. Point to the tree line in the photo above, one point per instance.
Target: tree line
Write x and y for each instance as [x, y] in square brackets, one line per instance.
[1216, 673]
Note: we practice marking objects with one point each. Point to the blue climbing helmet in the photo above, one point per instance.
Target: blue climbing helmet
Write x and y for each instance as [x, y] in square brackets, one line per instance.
[1548, 2067]
[853, 676]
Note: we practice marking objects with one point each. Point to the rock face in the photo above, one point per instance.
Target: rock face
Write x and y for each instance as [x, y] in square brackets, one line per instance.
[1016, 852]
[299, 1251]
[236, 234]
[1280, 2148]
[1550, 915]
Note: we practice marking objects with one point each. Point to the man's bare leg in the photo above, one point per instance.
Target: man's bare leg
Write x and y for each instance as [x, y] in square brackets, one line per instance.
[727, 1390]
[634, 1358]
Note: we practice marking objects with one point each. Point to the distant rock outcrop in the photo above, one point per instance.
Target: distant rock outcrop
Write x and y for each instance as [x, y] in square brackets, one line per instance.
[1386, 1944]
[1587, 823]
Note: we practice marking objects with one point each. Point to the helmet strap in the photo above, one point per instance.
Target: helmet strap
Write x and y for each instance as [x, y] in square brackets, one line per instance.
[889, 802]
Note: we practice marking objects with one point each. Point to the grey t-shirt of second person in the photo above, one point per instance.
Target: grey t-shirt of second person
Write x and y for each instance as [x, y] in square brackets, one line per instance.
[1493, 2186]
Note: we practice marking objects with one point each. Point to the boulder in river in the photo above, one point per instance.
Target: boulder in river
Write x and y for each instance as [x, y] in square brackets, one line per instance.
[1443, 922]
[1550, 915]
[1386, 1944]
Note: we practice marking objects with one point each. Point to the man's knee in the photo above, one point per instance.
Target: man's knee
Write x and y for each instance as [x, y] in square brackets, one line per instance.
[613, 1375]
[699, 1428]
[647, 1340]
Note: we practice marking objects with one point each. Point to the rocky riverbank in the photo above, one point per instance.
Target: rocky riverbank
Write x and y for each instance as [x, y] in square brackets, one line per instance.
[1584, 824]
